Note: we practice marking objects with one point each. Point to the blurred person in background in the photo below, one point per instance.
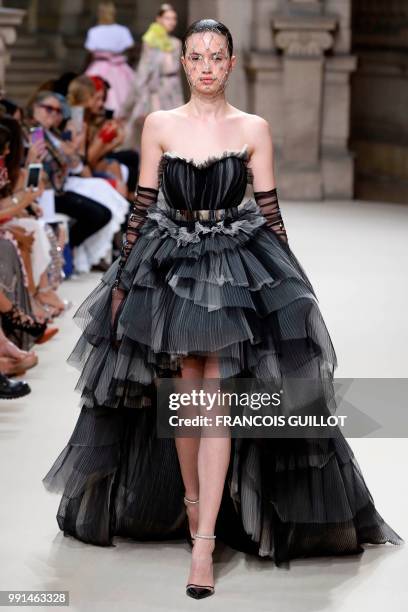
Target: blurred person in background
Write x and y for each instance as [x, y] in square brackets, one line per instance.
[157, 84]
[96, 207]
[61, 158]
[20, 222]
[8, 107]
[18, 322]
[107, 42]
[104, 134]
[27, 226]
[19, 327]
[18, 317]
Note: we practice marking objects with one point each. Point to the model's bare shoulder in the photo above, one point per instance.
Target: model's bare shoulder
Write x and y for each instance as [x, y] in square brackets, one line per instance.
[161, 126]
[156, 119]
[158, 124]
[162, 119]
[257, 124]
[252, 127]
[258, 134]
[247, 118]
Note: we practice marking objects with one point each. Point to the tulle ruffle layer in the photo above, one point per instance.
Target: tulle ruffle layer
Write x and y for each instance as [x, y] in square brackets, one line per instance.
[231, 288]
[282, 498]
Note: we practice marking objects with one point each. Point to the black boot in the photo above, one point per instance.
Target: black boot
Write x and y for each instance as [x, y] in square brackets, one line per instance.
[12, 389]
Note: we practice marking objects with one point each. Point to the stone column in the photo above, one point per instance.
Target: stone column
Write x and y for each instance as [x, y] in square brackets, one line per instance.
[9, 20]
[303, 41]
[70, 13]
[298, 72]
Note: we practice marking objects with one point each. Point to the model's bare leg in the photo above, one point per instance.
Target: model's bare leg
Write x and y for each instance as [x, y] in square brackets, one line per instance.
[213, 460]
[187, 448]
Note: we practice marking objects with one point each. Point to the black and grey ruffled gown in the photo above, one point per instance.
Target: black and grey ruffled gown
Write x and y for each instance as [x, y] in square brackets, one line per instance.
[230, 287]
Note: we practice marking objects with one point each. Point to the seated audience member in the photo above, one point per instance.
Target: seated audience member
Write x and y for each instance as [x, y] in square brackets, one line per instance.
[95, 207]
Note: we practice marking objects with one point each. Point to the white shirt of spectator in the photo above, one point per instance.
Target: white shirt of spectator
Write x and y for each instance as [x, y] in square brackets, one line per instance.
[109, 37]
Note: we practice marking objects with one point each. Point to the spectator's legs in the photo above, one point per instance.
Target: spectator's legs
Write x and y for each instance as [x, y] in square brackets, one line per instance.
[130, 159]
[90, 216]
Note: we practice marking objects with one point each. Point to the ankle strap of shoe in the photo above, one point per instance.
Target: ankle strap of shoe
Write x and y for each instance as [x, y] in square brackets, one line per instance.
[205, 537]
[191, 501]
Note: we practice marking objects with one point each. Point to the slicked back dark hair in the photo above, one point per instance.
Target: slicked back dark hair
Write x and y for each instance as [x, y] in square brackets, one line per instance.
[208, 25]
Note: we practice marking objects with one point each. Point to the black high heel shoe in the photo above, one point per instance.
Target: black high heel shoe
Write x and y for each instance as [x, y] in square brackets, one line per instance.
[15, 319]
[199, 591]
[188, 532]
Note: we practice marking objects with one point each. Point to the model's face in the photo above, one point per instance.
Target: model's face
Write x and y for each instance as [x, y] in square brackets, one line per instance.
[207, 63]
[168, 20]
[48, 112]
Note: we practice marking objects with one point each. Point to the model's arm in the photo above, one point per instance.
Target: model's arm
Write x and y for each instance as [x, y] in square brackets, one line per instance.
[146, 195]
[151, 149]
[262, 162]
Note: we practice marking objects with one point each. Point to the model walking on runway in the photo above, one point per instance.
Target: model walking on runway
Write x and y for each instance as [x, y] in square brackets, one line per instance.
[206, 287]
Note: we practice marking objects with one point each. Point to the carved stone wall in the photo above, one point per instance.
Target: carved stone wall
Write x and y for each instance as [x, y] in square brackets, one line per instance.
[299, 70]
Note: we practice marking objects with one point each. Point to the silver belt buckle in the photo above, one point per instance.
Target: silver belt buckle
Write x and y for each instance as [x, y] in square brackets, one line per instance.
[204, 215]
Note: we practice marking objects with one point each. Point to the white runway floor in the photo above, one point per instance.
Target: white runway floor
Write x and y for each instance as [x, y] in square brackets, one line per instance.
[356, 256]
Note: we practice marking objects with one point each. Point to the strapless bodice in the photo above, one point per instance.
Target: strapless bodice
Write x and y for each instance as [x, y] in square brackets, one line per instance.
[217, 182]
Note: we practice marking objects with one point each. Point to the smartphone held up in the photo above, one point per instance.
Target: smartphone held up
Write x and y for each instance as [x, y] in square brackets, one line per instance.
[36, 135]
[33, 176]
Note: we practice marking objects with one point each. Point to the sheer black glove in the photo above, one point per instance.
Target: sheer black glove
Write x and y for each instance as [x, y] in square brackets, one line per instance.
[269, 205]
[144, 198]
